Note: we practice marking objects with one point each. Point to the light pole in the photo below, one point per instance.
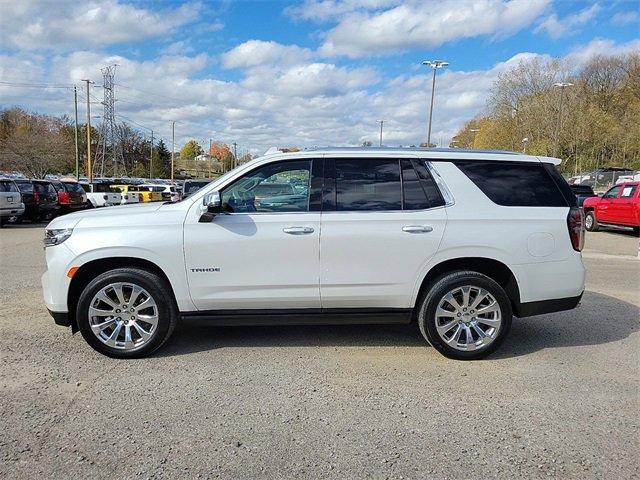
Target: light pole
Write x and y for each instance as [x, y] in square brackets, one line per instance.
[435, 64]
[561, 86]
[474, 131]
[381, 122]
[525, 142]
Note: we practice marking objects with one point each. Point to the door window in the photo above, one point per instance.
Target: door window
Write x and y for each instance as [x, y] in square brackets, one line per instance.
[613, 193]
[628, 191]
[276, 187]
[368, 184]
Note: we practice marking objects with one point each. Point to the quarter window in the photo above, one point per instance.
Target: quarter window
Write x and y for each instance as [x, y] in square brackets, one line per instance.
[276, 187]
[368, 184]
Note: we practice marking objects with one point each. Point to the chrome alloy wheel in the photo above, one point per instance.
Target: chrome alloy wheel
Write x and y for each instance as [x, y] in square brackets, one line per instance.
[588, 222]
[123, 316]
[468, 318]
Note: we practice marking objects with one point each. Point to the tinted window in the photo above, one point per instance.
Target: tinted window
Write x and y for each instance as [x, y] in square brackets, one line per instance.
[8, 186]
[367, 184]
[428, 184]
[74, 187]
[58, 186]
[25, 186]
[271, 189]
[515, 184]
[628, 191]
[612, 193]
[45, 189]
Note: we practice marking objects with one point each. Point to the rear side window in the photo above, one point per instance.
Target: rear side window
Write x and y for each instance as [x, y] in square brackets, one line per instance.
[516, 184]
[419, 190]
[368, 184]
[26, 187]
[8, 186]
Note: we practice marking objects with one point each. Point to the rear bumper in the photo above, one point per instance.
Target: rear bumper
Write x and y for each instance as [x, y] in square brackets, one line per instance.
[12, 211]
[529, 309]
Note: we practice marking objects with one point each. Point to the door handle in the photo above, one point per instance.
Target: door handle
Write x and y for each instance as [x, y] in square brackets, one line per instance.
[417, 229]
[298, 230]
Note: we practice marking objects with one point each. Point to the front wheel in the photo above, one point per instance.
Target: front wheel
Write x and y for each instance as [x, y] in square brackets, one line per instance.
[465, 315]
[590, 222]
[127, 313]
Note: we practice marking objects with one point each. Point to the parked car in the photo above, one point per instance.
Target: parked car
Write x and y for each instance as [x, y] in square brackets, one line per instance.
[439, 236]
[582, 192]
[40, 199]
[101, 194]
[619, 206]
[71, 197]
[11, 205]
[168, 192]
[144, 195]
[192, 186]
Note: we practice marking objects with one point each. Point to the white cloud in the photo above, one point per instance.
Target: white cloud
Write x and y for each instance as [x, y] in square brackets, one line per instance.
[625, 18]
[257, 52]
[557, 28]
[419, 24]
[323, 10]
[33, 24]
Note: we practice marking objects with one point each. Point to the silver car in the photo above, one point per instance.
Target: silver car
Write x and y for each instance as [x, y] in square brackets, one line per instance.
[10, 200]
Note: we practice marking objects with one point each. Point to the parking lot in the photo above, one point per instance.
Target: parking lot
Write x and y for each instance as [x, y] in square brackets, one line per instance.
[560, 398]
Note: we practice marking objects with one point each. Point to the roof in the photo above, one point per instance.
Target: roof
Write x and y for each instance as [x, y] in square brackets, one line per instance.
[422, 152]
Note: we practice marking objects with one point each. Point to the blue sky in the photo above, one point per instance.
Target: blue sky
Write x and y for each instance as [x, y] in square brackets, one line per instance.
[306, 73]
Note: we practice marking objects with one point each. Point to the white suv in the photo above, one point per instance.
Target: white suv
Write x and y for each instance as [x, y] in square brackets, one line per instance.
[457, 241]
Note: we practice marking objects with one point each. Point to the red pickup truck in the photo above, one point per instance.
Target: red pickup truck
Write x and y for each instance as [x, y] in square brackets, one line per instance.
[620, 205]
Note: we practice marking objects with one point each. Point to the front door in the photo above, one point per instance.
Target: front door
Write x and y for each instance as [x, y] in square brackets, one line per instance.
[264, 254]
[605, 209]
[382, 220]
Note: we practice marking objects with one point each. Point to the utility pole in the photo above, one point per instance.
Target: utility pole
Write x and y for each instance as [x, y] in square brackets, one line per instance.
[173, 146]
[381, 122]
[435, 64]
[474, 131]
[75, 104]
[235, 155]
[151, 158]
[89, 171]
[561, 86]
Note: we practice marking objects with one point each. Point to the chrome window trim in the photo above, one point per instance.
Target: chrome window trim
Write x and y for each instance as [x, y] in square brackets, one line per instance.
[444, 190]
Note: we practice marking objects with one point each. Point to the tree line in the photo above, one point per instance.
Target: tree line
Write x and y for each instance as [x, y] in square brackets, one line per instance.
[588, 117]
[37, 144]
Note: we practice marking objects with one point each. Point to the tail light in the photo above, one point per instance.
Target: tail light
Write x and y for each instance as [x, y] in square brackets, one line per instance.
[575, 224]
[63, 198]
[36, 197]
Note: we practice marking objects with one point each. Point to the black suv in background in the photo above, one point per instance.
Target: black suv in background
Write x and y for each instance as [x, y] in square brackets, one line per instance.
[40, 199]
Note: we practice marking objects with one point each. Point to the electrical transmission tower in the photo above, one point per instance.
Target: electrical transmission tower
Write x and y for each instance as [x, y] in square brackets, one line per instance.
[109, 160]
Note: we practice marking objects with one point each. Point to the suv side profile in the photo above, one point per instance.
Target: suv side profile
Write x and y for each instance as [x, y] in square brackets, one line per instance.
[457, 241]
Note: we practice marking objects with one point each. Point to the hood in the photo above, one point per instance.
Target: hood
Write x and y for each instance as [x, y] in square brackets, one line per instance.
[106, 214]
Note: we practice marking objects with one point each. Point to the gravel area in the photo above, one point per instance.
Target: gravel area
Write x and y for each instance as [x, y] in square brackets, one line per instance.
[560, 398]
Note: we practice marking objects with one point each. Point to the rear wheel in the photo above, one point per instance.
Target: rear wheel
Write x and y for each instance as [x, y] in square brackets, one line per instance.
[127, 313]
[590, 222]
[465, 315]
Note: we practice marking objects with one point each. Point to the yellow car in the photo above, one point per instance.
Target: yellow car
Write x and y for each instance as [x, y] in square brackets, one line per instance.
[143, 193]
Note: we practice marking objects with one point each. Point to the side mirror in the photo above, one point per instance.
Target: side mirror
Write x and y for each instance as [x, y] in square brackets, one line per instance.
[213, 202]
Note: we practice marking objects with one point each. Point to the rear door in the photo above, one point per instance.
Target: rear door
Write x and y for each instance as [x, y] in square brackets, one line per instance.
[627, 204]
[382, 220]
[9, 195]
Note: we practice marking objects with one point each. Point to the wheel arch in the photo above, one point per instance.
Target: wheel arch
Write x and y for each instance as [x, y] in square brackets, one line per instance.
[90, 270]
[494, 269]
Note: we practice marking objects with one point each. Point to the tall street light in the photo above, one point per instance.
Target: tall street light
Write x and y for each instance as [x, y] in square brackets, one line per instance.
[561, 86]
[474, 131]
[435, 64]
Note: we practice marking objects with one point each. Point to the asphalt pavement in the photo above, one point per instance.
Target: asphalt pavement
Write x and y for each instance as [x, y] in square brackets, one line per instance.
[559, 399]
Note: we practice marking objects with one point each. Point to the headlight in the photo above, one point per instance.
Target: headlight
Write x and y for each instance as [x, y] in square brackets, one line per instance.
[56, 237]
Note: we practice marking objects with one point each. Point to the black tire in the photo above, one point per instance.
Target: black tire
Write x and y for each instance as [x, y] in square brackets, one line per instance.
[590, 222]
[156, 286]
[636, 231]
[428, 305]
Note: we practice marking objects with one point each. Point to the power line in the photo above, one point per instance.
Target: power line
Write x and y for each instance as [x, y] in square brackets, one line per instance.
[34, 85]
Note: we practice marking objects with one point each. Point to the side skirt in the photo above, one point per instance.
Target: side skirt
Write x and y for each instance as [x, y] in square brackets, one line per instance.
[304, 316]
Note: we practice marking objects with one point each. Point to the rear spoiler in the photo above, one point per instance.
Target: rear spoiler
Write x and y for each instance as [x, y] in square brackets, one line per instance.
[553, 160]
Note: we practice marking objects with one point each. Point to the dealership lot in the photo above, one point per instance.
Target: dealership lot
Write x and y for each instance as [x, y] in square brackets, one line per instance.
[560, 398]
